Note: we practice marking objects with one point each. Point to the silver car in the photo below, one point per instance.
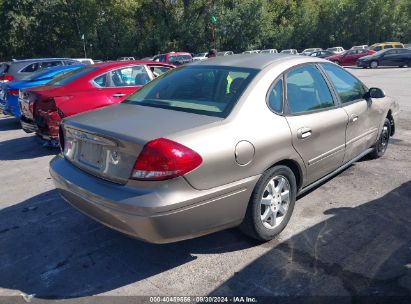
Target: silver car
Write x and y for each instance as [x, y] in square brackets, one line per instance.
[231, 141]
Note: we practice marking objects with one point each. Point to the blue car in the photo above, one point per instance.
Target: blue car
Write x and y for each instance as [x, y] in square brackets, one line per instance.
[9, 91]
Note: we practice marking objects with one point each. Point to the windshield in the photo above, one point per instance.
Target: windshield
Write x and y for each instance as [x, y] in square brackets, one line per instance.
[204, 90]
[70, 76]
[200, 55]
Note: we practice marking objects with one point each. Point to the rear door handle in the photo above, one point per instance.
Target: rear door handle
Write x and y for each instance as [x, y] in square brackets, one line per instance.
[353, 117]
[119, 95]
[303, 133]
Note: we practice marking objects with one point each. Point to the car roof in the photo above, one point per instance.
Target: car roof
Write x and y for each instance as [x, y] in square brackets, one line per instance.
[255, 61]
[38, 59]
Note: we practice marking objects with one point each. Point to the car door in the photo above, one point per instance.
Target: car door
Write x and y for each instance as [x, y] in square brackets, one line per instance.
[401, 58]
[388, 58]
[316, 122]
[349, 58]
[363, 115]
[117, 84]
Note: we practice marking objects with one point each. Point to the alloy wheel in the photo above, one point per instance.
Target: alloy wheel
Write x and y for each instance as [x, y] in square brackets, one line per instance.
[275, 202]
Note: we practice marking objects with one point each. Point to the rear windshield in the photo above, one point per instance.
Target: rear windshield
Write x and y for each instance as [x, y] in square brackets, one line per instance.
[179, 59]
[3, 68]
[70, 76]
[207, 90]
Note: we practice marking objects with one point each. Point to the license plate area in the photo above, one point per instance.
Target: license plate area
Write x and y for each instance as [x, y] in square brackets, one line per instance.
[90, 154]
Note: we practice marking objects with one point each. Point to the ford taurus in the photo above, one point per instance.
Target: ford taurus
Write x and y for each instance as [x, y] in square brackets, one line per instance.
[230, 141]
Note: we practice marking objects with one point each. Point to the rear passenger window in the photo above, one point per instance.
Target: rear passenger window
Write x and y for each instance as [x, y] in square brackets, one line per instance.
[158, 70]
[101, 80]
[49, 64]
[388, 46]
[129, 76]
[307, 90]
[348, 87]
[31, 68]
[275, 97]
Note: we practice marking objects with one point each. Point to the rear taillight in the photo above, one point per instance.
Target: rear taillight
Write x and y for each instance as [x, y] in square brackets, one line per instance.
[5, 78]
[163, 159]
[13, 92]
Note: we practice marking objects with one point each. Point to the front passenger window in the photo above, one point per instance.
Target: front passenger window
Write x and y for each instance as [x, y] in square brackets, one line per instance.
[307, 90]
[348, 87]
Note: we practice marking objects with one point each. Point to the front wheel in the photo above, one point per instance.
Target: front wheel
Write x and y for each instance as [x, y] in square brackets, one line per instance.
[382, 142]
[271, 204]
[374, 64]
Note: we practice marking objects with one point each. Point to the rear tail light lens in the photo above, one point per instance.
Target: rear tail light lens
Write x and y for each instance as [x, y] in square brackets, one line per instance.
[163, 159]
[6, 78]
[13, 92]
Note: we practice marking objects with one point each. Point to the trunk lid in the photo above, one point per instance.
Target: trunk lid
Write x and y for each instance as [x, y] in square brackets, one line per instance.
[107, 142]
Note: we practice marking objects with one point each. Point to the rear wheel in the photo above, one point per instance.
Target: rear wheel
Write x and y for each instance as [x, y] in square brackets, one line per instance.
[271, 204]
[382, 143]
[374, 64]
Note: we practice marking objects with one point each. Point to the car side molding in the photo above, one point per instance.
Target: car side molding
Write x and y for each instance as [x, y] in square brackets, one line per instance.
[332, 174]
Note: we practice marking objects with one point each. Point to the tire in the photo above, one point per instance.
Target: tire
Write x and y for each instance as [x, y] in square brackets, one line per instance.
[374, 64]
[382, 142]
[27, 131]
[270, 202]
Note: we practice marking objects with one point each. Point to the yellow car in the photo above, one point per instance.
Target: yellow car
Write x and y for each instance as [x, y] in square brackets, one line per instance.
[386, 45]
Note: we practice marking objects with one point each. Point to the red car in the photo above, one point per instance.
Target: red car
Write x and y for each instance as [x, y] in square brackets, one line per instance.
[85, 89]
[349, 57]
[175, 58]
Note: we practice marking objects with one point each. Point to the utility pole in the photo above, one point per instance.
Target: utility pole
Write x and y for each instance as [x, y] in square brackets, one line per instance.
[84, 46]
[213, 22]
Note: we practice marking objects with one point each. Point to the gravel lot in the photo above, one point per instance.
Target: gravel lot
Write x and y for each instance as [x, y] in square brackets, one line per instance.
[351, 236]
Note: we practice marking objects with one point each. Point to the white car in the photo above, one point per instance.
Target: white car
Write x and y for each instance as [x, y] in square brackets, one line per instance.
[200, 56]
[336, 49]
[360, 47]
[126, 58]
[269, 51]
[307, 52]
[84, 60]
[225, 53]
[252, 52]
[289, 51]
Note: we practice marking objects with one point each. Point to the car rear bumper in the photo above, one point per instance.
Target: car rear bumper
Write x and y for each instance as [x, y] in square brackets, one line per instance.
[157, 212]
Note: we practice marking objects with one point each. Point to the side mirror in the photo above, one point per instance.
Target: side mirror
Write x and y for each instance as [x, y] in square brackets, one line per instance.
[374, 93]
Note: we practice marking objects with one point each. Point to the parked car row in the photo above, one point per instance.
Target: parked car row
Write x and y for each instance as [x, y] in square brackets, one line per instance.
[43, 99]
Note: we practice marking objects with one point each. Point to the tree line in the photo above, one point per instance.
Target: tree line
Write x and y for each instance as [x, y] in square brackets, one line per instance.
[140, 28]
